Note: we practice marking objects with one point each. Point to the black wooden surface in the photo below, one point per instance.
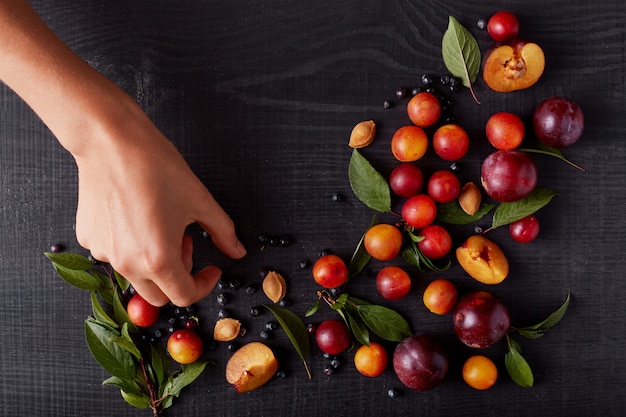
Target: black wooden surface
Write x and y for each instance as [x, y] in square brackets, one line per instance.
[260, 97]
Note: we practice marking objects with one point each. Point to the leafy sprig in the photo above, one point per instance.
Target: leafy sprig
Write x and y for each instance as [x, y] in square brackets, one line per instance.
[143, 372]
[517, 367]
[362, 317]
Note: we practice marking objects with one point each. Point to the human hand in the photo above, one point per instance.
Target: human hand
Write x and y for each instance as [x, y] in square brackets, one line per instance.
[137, 195]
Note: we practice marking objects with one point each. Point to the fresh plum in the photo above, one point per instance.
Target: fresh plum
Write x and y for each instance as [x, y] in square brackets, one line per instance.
[420, 362]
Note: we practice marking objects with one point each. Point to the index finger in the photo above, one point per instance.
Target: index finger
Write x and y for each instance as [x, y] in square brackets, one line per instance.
[221, 228]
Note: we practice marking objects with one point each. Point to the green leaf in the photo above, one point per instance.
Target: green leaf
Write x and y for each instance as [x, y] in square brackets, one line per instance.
[368, 184]
[112, 357]
[360, 257]
[122, 282]
[452, 213]
[77, 278]
[72, 261]
[461, 54]
[126, 342]
[539, 329]
[313, 309]
[340, 302]
[127, 385]
[136, 400]
[413, 256]
[106, 287]
[540, 148]
[384, 322]
[179, 380]
[517, 367]
[161, 362]
[120, 314]
[99, 313]
[509, 212]
[356, 326]
[295, 330]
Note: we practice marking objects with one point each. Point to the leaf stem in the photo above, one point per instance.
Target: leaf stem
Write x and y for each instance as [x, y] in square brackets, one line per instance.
[555, 155]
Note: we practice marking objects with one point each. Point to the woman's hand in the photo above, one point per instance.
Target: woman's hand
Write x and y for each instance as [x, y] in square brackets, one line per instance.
[136, 193]
[136, 197]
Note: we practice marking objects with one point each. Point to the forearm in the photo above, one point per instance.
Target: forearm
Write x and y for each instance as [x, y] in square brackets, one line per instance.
[76, 102]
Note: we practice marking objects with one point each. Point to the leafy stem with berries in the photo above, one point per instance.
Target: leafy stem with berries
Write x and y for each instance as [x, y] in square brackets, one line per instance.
[142, 370]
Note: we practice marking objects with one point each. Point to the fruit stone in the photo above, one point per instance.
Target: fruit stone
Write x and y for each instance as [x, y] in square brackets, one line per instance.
[251, 366]
[512, 66]
[420, 362]
[483, 260]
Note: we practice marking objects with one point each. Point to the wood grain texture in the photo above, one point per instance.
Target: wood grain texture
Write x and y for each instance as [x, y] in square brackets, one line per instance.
[260, 98]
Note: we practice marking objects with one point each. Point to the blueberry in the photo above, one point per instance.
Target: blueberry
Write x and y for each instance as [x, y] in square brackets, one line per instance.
[455, 167]
[274, 241]
[400, 92]
[415, 91]
[234, 284]
[393, 393]
[57, 247]
[255, 311]
[251, 289]
[271, 325]
[222, 299]
[335, 362]
[284, 303]
[304, 264]
[444, 79]
[264, 335]
[158, 333]
[337, 198]
[387, 104]
[172, 319]
[264, 238]
[427, 79]
[281, 374]
[232, 346]
[284, 241]
[222, 314]
[481, 23]
[478, 230]
[335, 292]
[329, 370]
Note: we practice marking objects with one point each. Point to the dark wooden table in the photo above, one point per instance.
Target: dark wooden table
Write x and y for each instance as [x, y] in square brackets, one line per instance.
[260, 98]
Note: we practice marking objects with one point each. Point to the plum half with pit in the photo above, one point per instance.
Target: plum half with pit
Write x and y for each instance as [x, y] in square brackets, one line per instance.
[508, 175]
[558, 122]
[513, 65]
[420, 362]
[480, 319]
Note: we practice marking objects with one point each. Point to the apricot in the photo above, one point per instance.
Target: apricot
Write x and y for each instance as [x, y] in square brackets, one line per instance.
[371, 360]
[383, 241]
[483, 260]
[251, 366]
[514, 65]
[409, 143]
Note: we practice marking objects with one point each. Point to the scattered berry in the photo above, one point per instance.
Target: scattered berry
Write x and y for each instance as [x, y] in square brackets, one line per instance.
[400, 93]
[481, 24]
[393, 393]
[271, 325]
[222, 299]
[57, 248]
[251, 289]
[386, 104]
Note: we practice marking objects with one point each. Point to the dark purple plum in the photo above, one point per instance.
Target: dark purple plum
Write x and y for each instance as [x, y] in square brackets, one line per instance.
[420, 362]
[558, 122]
